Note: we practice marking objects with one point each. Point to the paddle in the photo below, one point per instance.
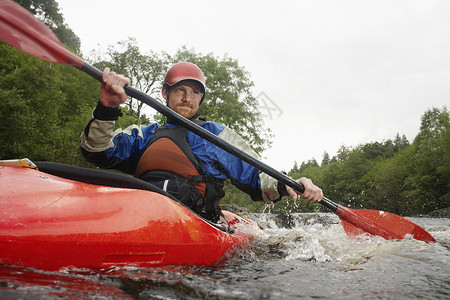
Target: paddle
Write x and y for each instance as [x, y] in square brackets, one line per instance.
[21, 29]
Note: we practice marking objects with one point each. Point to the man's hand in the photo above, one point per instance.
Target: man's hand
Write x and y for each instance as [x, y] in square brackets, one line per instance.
[312, 192]
[112, 93]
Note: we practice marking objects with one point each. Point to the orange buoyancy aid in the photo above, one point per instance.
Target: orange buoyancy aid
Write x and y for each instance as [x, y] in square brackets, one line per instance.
[168, 162]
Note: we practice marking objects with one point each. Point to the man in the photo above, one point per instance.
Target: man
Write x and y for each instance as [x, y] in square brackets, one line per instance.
[169, 156]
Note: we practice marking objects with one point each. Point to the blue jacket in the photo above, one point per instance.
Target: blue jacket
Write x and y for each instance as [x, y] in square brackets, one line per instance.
[121, 150]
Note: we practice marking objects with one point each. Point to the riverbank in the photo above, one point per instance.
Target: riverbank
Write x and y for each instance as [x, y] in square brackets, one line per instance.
[440, 213]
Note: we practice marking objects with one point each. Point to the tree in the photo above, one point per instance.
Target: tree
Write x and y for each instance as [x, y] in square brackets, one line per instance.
[146, 71]
[43, 108]
[444, 168]
[311, 163]
[434, 124]
[48, 12]
[384, 185]
[325, 159]
[377, 149]
[43, 105]
[295, 169]
[400, 143]
[342, 154]
[429, 177]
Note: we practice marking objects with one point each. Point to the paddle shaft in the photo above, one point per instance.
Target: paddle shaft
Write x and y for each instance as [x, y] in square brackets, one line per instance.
[200, 131]
[22, 30]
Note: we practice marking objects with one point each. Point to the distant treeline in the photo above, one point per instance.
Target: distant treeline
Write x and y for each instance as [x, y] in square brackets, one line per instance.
[404, 178]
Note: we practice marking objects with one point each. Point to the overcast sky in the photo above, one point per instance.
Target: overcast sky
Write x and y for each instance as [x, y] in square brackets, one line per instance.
[338, 72]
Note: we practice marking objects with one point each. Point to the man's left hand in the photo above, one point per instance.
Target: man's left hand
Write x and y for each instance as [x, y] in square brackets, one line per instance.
[312, 192]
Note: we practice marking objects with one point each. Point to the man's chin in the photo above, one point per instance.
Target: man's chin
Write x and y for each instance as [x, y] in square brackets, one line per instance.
[185, 113]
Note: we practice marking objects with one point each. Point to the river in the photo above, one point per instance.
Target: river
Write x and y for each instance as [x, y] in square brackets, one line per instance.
[299, 256]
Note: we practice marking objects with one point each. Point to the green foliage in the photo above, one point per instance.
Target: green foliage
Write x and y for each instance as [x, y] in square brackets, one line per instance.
[325, 159]
[146, 71]
[43, 107]
[129, 118]
[396, 176]
[430, 166]
[48, 12]
[235, 196]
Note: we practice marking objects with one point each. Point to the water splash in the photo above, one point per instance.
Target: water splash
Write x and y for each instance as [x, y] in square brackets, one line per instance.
[292, 257]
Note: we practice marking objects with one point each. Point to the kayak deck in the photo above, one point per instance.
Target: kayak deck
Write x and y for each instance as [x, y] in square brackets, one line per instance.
[49, 222]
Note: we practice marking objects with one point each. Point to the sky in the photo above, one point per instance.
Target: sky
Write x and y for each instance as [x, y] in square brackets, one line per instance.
[326, 73]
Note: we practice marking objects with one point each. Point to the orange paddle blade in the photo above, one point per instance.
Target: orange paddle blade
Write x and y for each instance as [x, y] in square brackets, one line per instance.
[384, 224]
[20, 29]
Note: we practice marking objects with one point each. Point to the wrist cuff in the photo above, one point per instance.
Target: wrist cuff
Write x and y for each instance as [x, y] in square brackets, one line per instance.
[105, 113]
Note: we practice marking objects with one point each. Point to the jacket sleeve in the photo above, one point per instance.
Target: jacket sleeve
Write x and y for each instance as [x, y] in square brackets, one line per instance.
[107, 148]
[260, 186]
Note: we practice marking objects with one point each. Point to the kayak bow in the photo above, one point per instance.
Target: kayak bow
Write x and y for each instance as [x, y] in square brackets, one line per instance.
[49, 222]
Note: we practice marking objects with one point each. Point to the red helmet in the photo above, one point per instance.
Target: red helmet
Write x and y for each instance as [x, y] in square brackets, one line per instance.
[185, 71]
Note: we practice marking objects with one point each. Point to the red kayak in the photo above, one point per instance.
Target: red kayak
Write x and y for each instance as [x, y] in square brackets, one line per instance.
[50, 222]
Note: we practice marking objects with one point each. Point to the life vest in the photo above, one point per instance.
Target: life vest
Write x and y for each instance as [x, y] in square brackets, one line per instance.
[169, 163]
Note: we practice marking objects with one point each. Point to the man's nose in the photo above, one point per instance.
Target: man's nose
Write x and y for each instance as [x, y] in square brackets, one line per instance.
[188, 96]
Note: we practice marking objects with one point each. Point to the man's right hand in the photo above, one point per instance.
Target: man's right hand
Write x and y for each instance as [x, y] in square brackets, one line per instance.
[112, 93]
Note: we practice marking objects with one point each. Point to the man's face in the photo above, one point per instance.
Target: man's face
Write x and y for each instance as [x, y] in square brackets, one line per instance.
[184, 98]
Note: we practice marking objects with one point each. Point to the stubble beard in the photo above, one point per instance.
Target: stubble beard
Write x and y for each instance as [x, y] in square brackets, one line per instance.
[186, 110]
